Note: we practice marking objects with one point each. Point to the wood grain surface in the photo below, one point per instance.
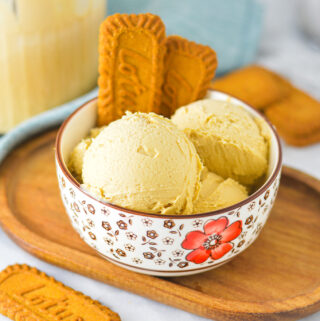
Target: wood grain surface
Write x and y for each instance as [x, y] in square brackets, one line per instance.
[277, 278]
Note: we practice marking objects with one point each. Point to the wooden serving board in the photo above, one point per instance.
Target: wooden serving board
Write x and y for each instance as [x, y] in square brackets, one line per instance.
[277, 278]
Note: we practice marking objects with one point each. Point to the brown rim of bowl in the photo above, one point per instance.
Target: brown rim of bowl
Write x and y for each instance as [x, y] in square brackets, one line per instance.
[249, 199]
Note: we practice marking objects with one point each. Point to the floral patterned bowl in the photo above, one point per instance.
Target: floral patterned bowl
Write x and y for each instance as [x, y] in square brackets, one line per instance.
[161, 244]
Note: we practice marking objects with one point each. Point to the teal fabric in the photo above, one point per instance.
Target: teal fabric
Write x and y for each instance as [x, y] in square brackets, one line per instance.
[231, 27]
[40, 123]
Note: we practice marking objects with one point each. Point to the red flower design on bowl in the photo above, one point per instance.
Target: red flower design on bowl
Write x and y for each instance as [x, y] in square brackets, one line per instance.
[214, 242]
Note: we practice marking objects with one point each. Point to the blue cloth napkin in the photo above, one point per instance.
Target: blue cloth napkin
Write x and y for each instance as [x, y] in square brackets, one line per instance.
[231, 27]
[40, 123]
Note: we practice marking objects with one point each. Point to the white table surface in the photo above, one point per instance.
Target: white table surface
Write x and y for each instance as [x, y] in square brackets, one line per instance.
[282, 48]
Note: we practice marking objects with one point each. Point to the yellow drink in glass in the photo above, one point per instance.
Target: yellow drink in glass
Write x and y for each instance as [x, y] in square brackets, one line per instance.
[48, 54]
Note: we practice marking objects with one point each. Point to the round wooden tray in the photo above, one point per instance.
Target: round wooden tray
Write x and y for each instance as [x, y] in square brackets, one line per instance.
[277, 278]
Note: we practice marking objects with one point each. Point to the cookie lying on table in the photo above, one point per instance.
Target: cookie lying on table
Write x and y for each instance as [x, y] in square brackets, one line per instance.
[297, 118]
[28, 294]
[257, 86]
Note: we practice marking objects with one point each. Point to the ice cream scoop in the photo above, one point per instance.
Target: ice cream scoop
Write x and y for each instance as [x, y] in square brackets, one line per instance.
[76, 158]
[229, 141]
[145, 163]
[216, 193]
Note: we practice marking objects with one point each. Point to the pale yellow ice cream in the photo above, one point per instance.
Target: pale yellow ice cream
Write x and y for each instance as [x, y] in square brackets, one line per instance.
[146, 163]
[229, 141]
[217, 193]
[143, 162]
[76, 158]
[209, 182]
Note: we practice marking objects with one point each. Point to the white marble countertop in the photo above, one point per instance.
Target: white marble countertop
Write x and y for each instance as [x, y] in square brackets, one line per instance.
[283, 49]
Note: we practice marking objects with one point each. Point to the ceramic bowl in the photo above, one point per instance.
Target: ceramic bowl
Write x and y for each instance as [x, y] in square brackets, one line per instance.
[163, 245]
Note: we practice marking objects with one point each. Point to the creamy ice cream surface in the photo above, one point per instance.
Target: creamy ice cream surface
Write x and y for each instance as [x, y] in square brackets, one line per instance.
[76, 158]
[217, 193]
[145, 163]
[229, 141]
[149, 163]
